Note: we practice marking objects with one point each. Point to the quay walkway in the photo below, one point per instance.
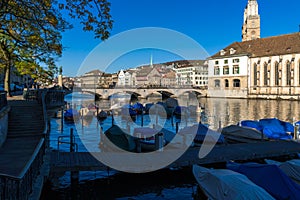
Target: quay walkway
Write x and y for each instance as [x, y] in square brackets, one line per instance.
[22, 156]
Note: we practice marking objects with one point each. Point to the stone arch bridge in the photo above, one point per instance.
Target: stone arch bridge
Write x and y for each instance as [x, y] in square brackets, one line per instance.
[143, 93]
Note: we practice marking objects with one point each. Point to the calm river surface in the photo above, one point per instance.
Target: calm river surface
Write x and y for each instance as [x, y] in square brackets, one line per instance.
[163, 184]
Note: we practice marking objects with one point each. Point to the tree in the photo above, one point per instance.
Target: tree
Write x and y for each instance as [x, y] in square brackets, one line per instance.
[30, 31]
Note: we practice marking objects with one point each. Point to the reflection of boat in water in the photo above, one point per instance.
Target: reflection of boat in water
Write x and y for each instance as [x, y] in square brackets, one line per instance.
[71, 115]
[86, 112]
[269, 177]
[227, 184]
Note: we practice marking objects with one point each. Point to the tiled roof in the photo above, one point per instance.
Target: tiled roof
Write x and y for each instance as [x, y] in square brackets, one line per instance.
[270, 46]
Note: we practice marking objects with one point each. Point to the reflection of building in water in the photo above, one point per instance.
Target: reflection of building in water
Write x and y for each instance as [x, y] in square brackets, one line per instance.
[231, 111]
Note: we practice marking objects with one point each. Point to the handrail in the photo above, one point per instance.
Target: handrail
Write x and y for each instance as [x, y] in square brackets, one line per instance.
[28, 164]
[45, 115]
[3, 100]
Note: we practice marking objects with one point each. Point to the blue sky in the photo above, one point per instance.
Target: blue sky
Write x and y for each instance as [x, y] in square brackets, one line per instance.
[213, 24]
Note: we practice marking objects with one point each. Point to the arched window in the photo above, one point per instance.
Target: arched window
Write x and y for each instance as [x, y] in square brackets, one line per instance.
[226, 83]
[217, 83]
[236, 83]
[299, 71]
[288, 73]
[276, 73]
[255, 74]
[265, 74]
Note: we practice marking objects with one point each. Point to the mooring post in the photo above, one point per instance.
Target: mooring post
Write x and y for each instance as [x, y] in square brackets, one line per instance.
[138, 143]
[159, 141]
[128, 128]
[62, 119]
[177, 127]
[296, 129]
[142, 120]
[71, 140]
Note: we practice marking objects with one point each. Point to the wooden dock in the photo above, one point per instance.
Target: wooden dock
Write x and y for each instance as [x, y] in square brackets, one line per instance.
[84, 161]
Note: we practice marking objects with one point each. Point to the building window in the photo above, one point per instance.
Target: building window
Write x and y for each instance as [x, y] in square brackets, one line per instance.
[276, 73]
[255, 74]
[226, 70]
[236, 69]
[216, 62]
[299, 71]
[226, 83]
[288, 73]
[217, 71]
[236, 83]
[217, 83]
[225, 61]
[236, 60]
[265, 74]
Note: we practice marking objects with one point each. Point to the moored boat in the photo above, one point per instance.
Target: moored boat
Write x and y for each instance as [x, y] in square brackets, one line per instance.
[291, 168]
[227, 184]
[269, 177]
[102, 115]
[70, 115]
[146, 137]
[239, 134]
[272, 128]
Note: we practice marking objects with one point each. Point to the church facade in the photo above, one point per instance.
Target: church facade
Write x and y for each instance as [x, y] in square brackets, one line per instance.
[256, 67]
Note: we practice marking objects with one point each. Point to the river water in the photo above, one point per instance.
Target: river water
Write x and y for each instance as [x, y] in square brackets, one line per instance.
[162, 184]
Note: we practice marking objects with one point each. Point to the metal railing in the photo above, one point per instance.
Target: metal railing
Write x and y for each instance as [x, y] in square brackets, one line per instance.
[3, 100]
[21, 186]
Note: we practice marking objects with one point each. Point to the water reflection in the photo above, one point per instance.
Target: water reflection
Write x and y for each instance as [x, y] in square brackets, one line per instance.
[231, 111]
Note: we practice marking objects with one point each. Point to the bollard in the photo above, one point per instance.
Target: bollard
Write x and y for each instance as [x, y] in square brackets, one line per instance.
[159, 141]
[138, 143]
[142, 120]
[71, 140]
[220, 124]
[62, 119]
[296, 129]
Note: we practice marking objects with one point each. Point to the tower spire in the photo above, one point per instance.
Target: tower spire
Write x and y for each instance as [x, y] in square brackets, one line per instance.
[251, 26]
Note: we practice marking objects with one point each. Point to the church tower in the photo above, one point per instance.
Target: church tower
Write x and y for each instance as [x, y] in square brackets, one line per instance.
[251, 26]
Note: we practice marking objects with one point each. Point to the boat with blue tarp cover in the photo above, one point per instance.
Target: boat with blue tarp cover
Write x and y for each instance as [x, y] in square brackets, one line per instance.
[269, 177]
[272, 128]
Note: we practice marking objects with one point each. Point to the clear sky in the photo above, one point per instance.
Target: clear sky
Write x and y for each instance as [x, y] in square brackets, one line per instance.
[214, 24]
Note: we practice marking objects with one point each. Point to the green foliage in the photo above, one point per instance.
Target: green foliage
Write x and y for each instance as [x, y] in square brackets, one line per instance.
[30, 31]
